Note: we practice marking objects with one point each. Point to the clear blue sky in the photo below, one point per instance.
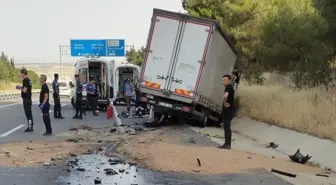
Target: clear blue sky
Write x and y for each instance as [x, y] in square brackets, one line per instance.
[31, 30]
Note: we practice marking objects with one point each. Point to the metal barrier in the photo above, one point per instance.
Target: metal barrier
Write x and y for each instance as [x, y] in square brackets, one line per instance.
[9, 95]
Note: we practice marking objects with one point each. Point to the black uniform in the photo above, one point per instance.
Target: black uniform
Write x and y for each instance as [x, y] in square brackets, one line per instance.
[228, 114]
[79, 97]
[27, 103]
[57, 101]
[45, 108]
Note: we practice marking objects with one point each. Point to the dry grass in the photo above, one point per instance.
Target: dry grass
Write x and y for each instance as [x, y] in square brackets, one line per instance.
[7, 86]
[310, 111]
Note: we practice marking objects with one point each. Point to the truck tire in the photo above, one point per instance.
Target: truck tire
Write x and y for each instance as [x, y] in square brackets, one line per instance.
[205, 118]
[73, 102]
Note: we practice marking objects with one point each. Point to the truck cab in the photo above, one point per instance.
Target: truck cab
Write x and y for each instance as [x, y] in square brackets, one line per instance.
[100, 69]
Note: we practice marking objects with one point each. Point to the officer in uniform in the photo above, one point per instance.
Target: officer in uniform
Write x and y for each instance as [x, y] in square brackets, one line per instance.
[79, 96]
[91, 95]
[44, 105]
[57, 101]
[26, 95]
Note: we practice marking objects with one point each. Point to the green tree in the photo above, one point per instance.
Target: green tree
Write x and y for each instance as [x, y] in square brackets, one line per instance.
[11, 74]
[135, 56]
[277, 35]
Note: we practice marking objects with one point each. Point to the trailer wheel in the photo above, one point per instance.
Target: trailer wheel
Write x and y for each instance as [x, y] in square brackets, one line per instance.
[205, 118]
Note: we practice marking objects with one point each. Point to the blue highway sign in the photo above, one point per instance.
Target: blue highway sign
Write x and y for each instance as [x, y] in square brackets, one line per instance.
[102, 48]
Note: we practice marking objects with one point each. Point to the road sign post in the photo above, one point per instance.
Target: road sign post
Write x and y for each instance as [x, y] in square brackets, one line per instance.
[98, 48]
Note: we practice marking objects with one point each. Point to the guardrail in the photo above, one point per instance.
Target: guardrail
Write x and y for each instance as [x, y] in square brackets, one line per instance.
[9, 95]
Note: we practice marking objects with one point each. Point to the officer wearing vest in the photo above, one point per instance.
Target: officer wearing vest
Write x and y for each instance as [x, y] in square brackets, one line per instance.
[56, 96]
[79, 97]
[91, 95]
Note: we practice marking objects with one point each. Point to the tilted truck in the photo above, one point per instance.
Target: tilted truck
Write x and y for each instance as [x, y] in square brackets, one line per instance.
[185, 60]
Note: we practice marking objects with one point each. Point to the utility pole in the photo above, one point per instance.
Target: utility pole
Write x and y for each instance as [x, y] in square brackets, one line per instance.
[63, 50]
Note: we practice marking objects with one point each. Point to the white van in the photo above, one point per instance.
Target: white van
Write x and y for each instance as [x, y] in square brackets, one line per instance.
[109, 74]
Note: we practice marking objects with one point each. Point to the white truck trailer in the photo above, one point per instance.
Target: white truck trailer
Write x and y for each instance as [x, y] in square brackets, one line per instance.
[183, 66]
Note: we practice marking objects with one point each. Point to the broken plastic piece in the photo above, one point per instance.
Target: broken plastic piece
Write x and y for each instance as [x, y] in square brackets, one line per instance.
[322, 175]
[299, 158]
[272, 145]
[283, 173]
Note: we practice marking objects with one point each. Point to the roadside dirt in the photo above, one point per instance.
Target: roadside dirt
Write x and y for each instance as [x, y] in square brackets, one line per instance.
[166, 152]
[80, 140]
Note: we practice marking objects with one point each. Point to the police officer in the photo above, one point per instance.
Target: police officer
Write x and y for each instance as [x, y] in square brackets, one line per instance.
[44, 105]
[97, 91]
[26, 94]
[79, 96]
[57, 101]
[91, 95]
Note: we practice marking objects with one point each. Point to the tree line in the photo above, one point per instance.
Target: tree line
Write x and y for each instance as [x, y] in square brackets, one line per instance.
[9, 73]
[293, 37]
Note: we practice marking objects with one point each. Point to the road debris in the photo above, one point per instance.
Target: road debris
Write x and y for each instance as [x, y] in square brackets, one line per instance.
[97, 180]
[199, 162]
[283, 173]
[109, 171]
[28, 148]
[81, 169]
[322, 175]
[46, 164]
[299, 158]
[272, 145]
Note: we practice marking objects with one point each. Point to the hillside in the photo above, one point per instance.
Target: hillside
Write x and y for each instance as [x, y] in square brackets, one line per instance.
[10, 74]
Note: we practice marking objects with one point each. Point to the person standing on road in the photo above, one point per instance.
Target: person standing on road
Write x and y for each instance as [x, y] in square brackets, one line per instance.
[26, 94]
[91, 95]
[237, 77]
[79, 97]
[44, 105]
[56, 96]
[228, 111]
[128, 88]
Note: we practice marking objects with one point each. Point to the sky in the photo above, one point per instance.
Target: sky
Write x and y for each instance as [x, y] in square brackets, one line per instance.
[32, 30]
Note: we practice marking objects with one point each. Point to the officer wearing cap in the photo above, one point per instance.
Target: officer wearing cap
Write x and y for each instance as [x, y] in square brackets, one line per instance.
[91, 94]
[79, 97]
[26, 94]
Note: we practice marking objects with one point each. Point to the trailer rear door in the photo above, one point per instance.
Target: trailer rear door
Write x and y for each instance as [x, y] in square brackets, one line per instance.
[160, 51]
[190, 58]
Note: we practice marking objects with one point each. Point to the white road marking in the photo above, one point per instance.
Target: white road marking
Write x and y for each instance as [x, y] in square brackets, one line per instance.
[3, 106]
[11, 131]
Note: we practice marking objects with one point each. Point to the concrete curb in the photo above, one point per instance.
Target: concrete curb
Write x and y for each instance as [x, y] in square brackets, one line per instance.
[322, 150]
[14, 95]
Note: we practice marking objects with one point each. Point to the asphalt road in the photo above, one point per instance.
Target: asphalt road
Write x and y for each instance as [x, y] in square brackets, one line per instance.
[13, 123]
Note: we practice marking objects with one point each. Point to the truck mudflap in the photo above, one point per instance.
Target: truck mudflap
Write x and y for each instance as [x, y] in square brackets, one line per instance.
[165, 104]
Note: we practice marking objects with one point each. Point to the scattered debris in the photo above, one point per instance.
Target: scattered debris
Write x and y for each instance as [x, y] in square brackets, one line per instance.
[272, 145]
[74, 140]
[72, 155]
[109, 171]
[192, 140]
[283, 173]
[121, 170]
[100, 141]
[199, 162]
[322, 175]
[46, 164]
[114, 161]
[197, 171]
[249, 157]
[81, 169]
[97, 180]
[72, 129]
[299, 158]
[113, 130]
[28, 148]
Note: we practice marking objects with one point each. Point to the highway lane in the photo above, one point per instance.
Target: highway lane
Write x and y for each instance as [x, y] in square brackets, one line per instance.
[13, 121]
